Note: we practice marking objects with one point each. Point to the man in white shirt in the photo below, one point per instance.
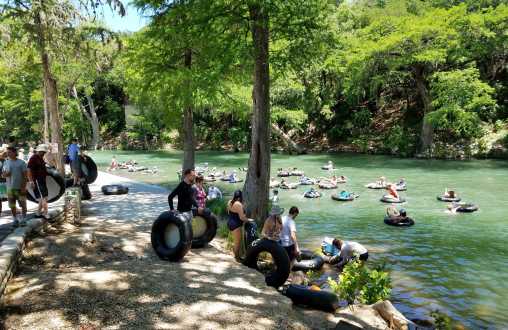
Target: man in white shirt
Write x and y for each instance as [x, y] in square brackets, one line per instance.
[348, 250]
[288, 234]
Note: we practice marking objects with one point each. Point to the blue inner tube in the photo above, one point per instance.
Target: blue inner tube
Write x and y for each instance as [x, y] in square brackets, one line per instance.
[443, 198]
[342, 199]
[406, 223]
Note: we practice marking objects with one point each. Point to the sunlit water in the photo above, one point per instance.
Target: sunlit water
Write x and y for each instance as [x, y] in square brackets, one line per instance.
[455, 263]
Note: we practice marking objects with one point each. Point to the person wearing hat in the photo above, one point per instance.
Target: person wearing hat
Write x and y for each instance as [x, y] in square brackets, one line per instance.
[272, 227]
[37, 179]
[14, 170]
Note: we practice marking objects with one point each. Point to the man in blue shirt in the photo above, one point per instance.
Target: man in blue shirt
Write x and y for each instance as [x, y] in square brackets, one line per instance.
[74, 152]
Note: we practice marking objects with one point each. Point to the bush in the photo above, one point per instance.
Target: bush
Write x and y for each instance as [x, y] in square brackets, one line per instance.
[224, 232]
[441, 320]
[358, 282]
[218, 207]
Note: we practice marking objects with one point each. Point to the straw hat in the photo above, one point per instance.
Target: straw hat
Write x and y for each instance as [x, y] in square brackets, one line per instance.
[42, 148]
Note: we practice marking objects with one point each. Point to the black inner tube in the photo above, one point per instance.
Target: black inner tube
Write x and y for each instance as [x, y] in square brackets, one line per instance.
[204, 228]
[406, 223]
[114, 189]
[321, 300]
[55, 183]
[276, 276]
[467, 208]
[171, 235]
[443, 198]
[309, 262]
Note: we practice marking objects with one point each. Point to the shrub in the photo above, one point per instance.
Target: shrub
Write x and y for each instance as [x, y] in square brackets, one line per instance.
[358, 282]
[218, 207]
[224, 232]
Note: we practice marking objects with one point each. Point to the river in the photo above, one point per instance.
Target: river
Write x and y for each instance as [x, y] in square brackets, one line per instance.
[455, 263]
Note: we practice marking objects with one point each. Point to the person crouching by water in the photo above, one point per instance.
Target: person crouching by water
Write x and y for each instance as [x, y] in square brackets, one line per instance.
[288, 234]
[236, 219]
[349, 250]
[185, 193]
[272, 227]
[200, 192]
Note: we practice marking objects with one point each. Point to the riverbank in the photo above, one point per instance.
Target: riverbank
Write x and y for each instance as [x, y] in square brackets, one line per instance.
[104, 274]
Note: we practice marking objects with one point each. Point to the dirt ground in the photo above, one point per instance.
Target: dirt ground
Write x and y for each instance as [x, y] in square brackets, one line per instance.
[104, 275]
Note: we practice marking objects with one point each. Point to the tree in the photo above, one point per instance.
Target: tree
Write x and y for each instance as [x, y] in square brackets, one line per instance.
[48, 24]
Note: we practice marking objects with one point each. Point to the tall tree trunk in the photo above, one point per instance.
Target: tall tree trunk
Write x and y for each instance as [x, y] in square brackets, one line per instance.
[46, 117]
[94, 121]
[188, 124]
[258, 176]
[50, 93]
[427, 133]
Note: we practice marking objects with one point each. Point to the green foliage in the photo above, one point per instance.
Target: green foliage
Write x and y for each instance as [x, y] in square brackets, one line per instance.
[441, 320]
[224, 232]
[461, 102]
[358, 282]
[218, 206]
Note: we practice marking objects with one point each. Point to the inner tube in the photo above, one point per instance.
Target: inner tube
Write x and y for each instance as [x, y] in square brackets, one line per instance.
[467, 208]
[282, 173]
[114, 189]
[327, 186]
[275, 277]
[310, 261]
[88, 169]
[307, 181]
[399, 187]
[312, 194]
[204, 228]
[296, 173]
[171, 235]
[342, 199]
[303, 295]
[209, 179]
[289, 186]
[327, 167]
[55, 183]
[406, 223]
[389, 199]
[250, 233]
[274, 184]
[374, 185]
[443, 198]
[226, 179]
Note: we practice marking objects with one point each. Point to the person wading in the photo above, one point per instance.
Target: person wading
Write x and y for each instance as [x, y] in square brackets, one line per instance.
[37, 179]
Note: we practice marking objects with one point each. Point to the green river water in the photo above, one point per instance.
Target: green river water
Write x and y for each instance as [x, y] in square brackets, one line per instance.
[455, 263]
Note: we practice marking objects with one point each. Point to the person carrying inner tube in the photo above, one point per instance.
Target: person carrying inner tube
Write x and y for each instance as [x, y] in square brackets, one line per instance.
[236, 219]
[272, 227]
[37, 179]
[74, 151]
[185, 193]
[288, 234]
[349, 250]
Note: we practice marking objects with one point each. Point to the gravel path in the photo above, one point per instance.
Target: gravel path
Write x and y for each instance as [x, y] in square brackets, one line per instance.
[68, 281]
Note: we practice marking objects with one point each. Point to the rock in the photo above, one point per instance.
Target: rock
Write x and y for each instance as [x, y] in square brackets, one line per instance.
[392, 316]
[362, 316]
[88, 238]
[345, 325]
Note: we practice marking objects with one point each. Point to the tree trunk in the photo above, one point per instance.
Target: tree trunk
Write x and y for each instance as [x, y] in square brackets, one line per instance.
[46, 117]
[291, 145]
[50, 94]
[427, 129]
[94, 122]
[258, 175]
[188, 124]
